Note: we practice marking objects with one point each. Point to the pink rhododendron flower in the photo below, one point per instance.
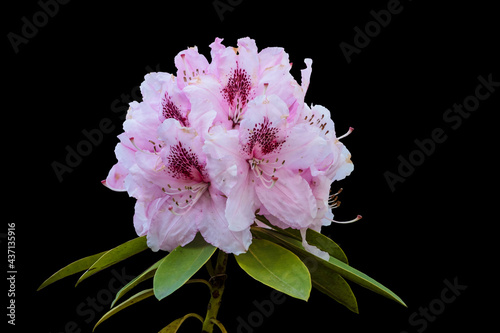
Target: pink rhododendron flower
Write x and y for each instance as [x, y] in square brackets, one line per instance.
[209, 147]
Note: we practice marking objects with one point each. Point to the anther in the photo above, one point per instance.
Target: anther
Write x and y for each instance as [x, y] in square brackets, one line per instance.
[346, 134]
[347, 222]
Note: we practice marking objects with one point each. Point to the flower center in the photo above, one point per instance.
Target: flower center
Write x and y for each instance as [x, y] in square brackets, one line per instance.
[263, 139]
[237, 92]
[183, 164]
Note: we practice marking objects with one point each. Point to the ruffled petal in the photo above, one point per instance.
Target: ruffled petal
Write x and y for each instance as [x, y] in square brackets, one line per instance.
[116, 178]
[224, 160]
[303, 147]
[290, 199]
[306, 75]
[311, 248]
[168, 230]
[214, 226]
[241, 203]
[205, 96]
[190, 65]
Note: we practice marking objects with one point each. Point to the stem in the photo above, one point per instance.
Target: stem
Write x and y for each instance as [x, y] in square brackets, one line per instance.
[209, 267]
[216, 281]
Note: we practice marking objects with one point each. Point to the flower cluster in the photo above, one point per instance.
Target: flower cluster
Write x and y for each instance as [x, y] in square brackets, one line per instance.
[212, 146]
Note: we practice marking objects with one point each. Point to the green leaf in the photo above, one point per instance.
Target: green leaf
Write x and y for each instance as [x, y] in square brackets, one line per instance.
[336, 287]
[73, 268]
[313, 238]
[363, 280]
[132, 300]
[173, 327]
[334, 265]
[323, 279]
[147, 274]
[277, 268]
[116, 255]
[179, 265]
[325, 244]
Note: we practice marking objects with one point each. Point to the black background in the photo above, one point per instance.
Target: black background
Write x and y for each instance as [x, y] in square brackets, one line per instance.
[436, 225]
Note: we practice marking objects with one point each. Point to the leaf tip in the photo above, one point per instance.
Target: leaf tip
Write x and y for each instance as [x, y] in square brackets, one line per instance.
[43, 285]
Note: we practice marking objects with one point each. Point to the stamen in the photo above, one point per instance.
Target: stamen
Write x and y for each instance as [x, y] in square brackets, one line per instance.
[132, 140]
[261, 174]
[333, 201]
[199, 189]
[346, 134]
[338, 192]
[336, 204]
[359, 217]
[265, 87]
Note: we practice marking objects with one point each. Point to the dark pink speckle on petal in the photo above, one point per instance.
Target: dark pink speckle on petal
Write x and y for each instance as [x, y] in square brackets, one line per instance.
[238, 87]
[264, 137]
[170, 110]
[182, 163]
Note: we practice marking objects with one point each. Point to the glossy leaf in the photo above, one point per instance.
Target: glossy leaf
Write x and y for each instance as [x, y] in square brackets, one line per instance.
[132, 300]
[313, 237]
[336, 287]
[323, 279]
[73, 268]
[147, 274]
[277, 268]
[325, 244]
[116, 255]
[179, 265]
[334, 265]
[363, 280]
[174, 326]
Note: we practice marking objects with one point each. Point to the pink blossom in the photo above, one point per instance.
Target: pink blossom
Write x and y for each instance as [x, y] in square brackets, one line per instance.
[183, 201]
[218, 142]
[238, 75]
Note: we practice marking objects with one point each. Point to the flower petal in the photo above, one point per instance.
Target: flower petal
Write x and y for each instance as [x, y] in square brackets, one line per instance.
[223, 158]
[271, 57]
[303, 147]
[141, 219]
[311, 248]
[248, 57]
[241, 203]
[205, 96]
[290, 199]
[167, 230]
[190, 64]
[214, 226]
[306, 75]
[116, 177]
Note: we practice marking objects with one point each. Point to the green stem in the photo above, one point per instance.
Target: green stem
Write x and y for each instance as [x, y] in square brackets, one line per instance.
[216, 281]
[209, 267]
